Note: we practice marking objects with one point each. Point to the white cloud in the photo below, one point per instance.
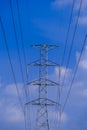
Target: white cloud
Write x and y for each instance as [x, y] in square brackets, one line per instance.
[84, 5]
[64, 117]
[81, 81]
[84, 93]
[55, 115]
[62, 71]
[63, 3]
[83, 14]
[10, 111]
[83, 20]
[11, 89]
[56, 4]
[60, 3]
[83, 62]
[13, 114]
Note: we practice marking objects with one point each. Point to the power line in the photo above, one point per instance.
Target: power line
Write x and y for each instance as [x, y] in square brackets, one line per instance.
[72, 43]
[21, 33]
[17, 42]
[61, 111]
[58, 114]
[20, 101]
[20, 26]
[67, 36]
[68, 31]
[6, 44]
[83, 46]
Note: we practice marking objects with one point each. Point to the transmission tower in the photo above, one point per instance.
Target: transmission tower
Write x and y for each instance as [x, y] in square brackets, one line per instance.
[42, 120]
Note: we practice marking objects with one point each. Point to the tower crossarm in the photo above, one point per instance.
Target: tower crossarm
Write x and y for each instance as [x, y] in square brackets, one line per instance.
[48, 63]
[44, 46]
[47, 83]
[42, 101]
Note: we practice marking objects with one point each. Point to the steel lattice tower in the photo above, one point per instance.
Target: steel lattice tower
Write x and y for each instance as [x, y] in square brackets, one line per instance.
[42, 121]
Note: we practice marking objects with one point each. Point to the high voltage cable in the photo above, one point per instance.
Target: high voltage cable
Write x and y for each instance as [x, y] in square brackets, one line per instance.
[21, 33]
[25, 118]
[83, 46]
[58, 94]
[20, 101]
[17, 43]
[72, 43]
[68, 31]
[6, 45]
[67, 36]
[20, 26]
[70, 51]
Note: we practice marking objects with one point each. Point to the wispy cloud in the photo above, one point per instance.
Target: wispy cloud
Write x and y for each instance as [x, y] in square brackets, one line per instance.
[64, 3]
[10, 110]
[54, 114]
[14, 114]
[77, 100]
[11, 89]
[60, 3]
[83, 63]
[83, 20]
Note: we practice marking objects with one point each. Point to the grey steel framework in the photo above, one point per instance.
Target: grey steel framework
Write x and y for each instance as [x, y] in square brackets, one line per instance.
[42, 120]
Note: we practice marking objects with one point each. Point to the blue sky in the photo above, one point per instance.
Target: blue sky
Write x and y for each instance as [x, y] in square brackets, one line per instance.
[47, 22]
